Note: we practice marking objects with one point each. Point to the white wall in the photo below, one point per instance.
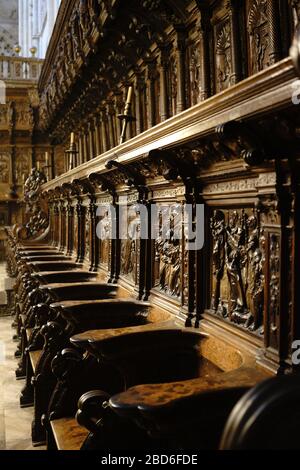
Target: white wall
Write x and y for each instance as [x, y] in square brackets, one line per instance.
[36, 22]
[8, 26]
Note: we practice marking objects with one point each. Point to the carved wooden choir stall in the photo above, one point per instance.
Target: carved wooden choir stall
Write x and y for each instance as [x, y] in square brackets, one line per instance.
[157, 279]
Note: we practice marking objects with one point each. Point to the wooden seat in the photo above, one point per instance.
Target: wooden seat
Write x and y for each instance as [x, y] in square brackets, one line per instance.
[190, 411]
[52, 265]
[75, 317]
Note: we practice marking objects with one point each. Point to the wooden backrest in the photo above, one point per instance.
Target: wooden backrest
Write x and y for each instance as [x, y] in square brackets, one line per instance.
[266, 417]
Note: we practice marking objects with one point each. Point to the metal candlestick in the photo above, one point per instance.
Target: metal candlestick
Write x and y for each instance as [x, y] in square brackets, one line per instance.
[127, 116]
[72, 156]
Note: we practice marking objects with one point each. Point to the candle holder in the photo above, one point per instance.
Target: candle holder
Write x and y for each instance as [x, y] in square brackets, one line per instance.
[47, 170]
[126, 117]
[33, 51]
[72, 156]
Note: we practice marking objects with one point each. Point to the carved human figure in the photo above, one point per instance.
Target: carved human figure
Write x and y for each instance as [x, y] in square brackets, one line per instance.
[260, 50]
[129, 246]
[105, 236]
[235, 260]
[84, 17]
[256, 291]
[168, 253]
[218, 254]
[11, 113]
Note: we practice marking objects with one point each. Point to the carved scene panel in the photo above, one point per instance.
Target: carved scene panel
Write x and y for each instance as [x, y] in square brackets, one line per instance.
[22, 165]
[238, 263]
[167, 277]
[130, 228]
[104, 233]
[5, 162]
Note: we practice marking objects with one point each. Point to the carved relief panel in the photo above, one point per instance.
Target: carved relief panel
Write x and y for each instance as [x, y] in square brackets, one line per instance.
[130, 242]
[238, 257]
[258, 35]
[223, 60]
[5, 162]
[76, 232]
[22, 164]
[104, 234]
[168, 250]
[87, 235]
[194, 80]
[3, 116]
[59, 160]
[24, 116]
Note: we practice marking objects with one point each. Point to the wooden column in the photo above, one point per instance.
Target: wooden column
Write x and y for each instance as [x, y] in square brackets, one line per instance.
[235, 42]
[85, 146]
[180, 56]
[164, 64]
[104, 129]
[52, 161]
[151, 75]
[80, 149]
[91, 141]
[97, 136]
[111, 123]
[119, 110]
[204, 61]
[274, 31]
[137, 106]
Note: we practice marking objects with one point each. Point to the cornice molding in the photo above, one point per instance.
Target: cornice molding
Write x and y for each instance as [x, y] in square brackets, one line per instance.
[258, 95]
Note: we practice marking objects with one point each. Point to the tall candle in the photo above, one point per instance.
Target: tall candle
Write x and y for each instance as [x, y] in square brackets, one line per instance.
[72, 138]
[47, 158]
[38, 165]
[129, 95]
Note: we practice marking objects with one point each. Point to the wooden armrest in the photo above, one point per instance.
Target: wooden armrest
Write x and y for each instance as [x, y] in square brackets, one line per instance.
[75, 275]
[79, 291]
[105, 313]
[83, 340]
[68, 434]
[34, 358]
[155, 398]
[23, 254]
[52, 265]
[44, 258]
[145, 342]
